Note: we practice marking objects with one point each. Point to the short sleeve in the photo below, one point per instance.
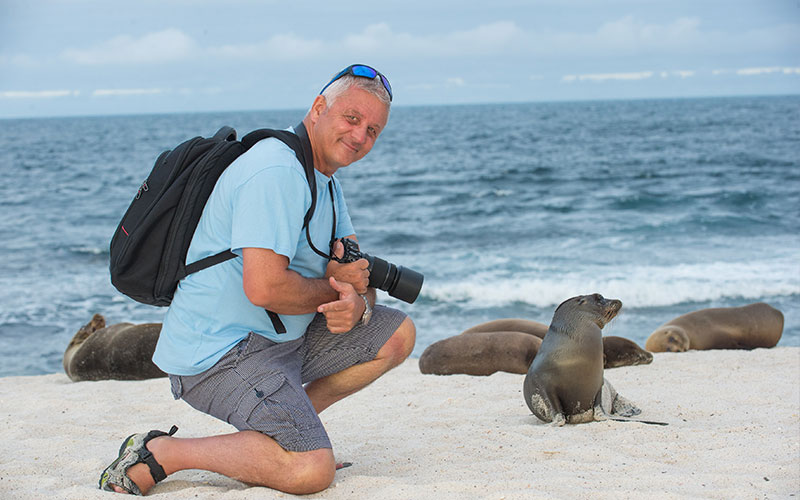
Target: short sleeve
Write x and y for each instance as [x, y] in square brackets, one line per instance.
[268, 210]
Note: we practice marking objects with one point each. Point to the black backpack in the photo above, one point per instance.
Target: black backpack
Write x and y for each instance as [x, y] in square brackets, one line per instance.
[148, 249]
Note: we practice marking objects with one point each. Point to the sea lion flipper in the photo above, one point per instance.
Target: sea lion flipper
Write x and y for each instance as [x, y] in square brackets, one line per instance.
[624, 407]
[610, 403]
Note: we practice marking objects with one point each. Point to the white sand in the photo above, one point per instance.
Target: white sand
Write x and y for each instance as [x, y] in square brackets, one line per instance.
[734, 432]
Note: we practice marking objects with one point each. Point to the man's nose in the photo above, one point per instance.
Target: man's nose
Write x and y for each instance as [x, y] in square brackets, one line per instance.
[359, 134]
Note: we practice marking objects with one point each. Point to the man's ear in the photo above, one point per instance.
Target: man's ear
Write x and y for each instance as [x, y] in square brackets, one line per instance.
[318, 107]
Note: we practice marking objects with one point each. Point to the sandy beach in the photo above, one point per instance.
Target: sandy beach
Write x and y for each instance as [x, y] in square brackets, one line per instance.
[734, 432]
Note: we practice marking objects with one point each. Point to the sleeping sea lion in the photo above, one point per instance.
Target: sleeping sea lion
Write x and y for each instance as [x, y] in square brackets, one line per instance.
[510, 325]
[496, 346]
[619, 351]
[745, 327]
[122, 351]
[480, 353]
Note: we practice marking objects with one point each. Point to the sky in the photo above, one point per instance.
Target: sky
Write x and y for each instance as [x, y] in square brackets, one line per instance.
[102, 57]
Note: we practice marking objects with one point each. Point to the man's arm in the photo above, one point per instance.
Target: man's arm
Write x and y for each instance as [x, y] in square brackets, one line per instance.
[269, 283]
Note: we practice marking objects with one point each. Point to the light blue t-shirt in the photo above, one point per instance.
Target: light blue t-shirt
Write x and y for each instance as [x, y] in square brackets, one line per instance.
[259, 201]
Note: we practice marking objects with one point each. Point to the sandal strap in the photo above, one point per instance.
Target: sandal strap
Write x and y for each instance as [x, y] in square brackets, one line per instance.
[156, 471]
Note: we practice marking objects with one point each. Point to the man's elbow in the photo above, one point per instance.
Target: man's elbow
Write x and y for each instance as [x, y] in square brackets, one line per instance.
[259, 295]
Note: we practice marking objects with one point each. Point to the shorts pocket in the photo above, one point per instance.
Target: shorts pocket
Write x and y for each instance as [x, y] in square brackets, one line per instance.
[273, 406]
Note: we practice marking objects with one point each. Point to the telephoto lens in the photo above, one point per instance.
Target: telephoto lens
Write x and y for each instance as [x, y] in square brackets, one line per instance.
[400, 282]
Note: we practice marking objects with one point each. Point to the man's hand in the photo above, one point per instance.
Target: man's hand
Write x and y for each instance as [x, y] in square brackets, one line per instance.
[343, 314]
[355, 273]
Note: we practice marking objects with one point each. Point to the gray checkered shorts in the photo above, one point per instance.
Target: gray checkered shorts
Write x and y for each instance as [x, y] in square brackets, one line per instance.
[258, 384]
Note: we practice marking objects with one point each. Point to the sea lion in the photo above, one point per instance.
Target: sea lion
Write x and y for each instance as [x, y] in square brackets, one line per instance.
[118, 352]
[565, 382]
[495, 346]
[619, 351]
[746, 327]
[480, 353]
[510, 325]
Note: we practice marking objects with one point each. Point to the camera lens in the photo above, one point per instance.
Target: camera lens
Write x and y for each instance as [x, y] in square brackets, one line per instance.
[401, 283]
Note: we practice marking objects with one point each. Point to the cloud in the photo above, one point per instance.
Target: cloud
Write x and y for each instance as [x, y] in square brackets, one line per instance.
[380, 39]
[767, 71]
[158, 47]
[602, 77]
[37, 94]
[626, 36]
[125, 92]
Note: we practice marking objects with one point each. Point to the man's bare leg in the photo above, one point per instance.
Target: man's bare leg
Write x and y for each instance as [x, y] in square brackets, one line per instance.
[254, 458]
[328, 390]
[247, 456]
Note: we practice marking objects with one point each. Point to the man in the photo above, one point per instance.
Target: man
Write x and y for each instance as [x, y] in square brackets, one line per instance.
[225, 354]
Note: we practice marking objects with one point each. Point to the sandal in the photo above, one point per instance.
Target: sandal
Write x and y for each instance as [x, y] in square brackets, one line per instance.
[133, 451]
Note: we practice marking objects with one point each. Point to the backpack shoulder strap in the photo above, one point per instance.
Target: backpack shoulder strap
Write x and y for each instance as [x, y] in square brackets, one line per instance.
[301, 146]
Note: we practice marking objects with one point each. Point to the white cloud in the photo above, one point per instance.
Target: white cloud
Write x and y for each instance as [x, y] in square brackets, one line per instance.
[380, 39]
[629, 32]
[37, 94]
[602, 77]
[484, 39]
[125, 92]
[767, 71]
[158, 47]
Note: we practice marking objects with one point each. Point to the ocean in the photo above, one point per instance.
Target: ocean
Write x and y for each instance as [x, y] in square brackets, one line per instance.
[668, 205]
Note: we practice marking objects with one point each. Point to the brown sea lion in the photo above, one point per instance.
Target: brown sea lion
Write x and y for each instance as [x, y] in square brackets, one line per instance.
[480, 353]
[510, 325]
[565, 382]
[118, 352]
[745, 327]
[619, 351]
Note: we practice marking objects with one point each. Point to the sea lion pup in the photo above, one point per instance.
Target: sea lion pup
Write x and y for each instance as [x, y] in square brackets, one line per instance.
[746, 327]
[480, 353]
[565, 382]
[119, 352]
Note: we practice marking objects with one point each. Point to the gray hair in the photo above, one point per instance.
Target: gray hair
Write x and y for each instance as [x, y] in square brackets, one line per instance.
[372, 85]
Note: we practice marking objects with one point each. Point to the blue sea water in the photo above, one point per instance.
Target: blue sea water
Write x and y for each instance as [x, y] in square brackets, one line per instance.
[669, 205]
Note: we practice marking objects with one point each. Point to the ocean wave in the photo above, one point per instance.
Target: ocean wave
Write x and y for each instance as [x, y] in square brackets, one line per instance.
[637, 286]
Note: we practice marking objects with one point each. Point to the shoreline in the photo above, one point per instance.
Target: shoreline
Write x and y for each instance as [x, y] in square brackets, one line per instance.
[734, 432]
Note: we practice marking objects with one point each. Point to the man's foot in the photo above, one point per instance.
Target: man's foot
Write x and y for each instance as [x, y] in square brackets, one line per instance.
[129, 472]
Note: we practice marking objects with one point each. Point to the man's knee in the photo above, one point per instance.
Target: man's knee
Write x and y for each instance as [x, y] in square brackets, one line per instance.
[309, 472]
[401, 343]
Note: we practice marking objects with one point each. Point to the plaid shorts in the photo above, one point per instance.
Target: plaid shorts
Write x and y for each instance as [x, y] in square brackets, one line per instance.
[258, 384]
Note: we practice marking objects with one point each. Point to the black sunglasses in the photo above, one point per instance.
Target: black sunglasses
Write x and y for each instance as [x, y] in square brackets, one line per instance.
[363, 71]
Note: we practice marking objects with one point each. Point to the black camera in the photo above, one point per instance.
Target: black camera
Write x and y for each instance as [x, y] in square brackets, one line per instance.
[400, 282]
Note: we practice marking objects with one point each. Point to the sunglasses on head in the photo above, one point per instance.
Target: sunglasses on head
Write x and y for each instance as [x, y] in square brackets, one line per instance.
[363, 71]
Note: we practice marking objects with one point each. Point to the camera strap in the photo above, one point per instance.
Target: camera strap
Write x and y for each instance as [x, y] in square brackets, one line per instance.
[308, 155]
[333, 229]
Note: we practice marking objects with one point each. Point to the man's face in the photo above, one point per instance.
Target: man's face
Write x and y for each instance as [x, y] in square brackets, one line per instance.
[346, 131]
